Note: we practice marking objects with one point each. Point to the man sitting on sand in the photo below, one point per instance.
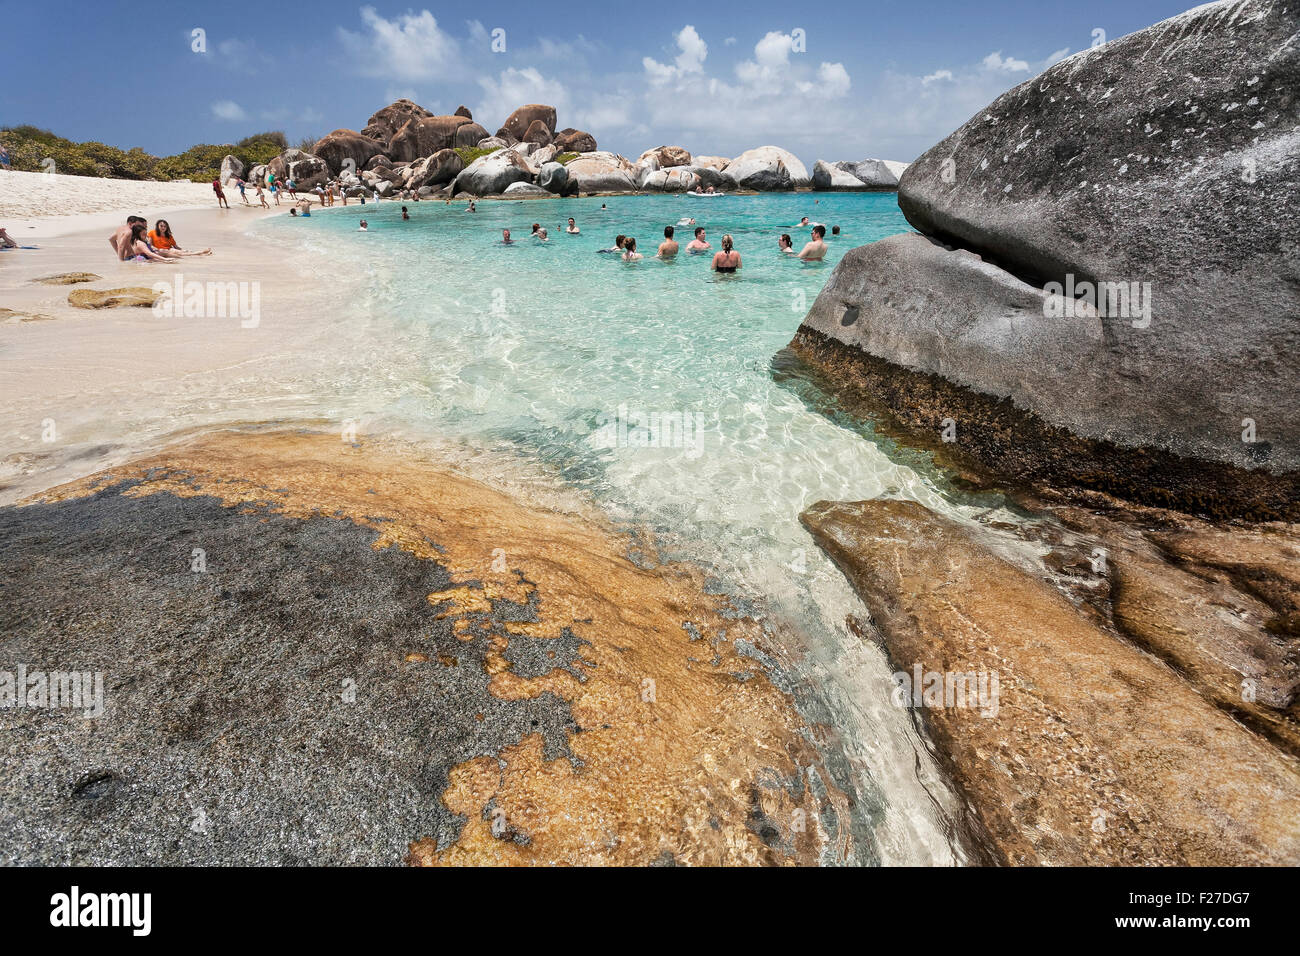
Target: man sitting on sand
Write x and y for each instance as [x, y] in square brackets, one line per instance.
[815, 251]
[122, 233]
[135, 247]
[699, 243]
[668, 248]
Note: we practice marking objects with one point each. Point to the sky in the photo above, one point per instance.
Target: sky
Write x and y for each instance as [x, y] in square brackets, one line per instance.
[866, 78]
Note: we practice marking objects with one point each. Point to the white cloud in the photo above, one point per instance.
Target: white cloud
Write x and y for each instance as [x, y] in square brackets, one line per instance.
[936, 76]
[994, 61]
[228, 110]
[409, 47]
[690, 59]
[834, 79]
[514, 87]
[729, 41]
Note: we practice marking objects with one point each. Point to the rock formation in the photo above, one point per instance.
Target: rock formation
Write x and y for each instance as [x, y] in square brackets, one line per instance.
[1087, 751]
[575, 141]
[1171, 380]
[344, 144]
[602, 172]
[768, 168]
[517, 123]
[490, 175]
[424, 137]
[385, 123]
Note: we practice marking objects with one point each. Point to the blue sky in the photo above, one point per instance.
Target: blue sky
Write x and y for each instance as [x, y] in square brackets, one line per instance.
[885, 78]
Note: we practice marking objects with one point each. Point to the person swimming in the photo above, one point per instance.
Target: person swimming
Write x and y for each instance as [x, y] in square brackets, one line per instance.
[365, 226]
[405, 215]
[727, 260]
[572, 229]
[617, 248]
[505, 238]
[699, 243]
[541, 234]
[785, 243]
[835, 230]
[629, 250]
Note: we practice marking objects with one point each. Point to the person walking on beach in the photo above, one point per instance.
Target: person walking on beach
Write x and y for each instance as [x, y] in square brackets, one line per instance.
[668, 248]
[261, 197]
[727, 260]
[699, 243]
[242, 195]
[275, 191]
[815, 251]
[221, 193]
[293, 189]
[4, 158]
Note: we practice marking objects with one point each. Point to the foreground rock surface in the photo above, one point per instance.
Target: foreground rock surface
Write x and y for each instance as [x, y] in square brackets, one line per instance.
[1169, 157]
[377, 657]
[1097, 754]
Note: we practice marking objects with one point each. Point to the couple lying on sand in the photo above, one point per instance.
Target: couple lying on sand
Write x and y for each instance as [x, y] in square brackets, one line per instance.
[135, 242]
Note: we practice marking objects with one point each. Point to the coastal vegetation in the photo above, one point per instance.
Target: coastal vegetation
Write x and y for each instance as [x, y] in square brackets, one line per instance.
[32, 149]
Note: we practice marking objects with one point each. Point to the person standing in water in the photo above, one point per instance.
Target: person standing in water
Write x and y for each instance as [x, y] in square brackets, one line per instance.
[668, 248]
[727, 260]
[573, 227]
[699, 243]
[785, 243]
[815, 251]
[221, 193]
[629, 250]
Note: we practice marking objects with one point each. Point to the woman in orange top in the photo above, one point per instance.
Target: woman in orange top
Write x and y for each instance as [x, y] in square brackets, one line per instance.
[161, 238]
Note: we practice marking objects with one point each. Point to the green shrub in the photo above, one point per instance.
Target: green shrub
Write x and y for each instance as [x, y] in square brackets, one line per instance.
[470, 153]
[565, 158]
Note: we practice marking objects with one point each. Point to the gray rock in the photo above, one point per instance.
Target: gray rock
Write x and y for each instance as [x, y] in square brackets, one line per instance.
[602, 172]
[678, 179]
[529, 190]
[835, 178]
[344, 144]
[768, 168]
[491, 175]
[1170, 157]
[553, 177]
[880, 174]
[492, 142]
[442, 167]
[231, 169]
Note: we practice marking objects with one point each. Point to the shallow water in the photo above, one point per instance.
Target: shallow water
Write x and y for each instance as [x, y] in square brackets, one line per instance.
[560, 356]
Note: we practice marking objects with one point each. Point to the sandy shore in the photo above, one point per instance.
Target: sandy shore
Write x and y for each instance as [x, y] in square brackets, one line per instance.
[107, 384]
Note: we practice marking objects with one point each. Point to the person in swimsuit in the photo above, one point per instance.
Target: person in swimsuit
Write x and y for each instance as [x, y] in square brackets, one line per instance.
[164, 243]
[629, 250]
[405, 215]
[505, 237]
[727, 260]
[573, 227]
[7, 241]
[815, 251]
[698, 244]
[785, 243]
[617, 248]
[261, 197]
[668, 248]
[135, 248]
[221, 193]
[365, 226]
[242, 195]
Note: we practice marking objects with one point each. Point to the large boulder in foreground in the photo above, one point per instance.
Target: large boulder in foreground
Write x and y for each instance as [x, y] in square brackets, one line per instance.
[1166, 162]
[424, 137]
[343, 144]
[930, 335]
[768, 168]
[1086, 751]
[517, 123]
[385, 123]
[490, 175]
[602, 172]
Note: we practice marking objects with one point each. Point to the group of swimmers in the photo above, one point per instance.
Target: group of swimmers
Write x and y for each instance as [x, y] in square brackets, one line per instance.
[726, 260]
[136, 242]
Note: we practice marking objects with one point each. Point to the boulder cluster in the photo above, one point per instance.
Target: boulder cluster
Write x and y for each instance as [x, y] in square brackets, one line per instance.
[406, 151]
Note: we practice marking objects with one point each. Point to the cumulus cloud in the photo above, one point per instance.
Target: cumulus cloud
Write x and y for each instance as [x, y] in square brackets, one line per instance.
[994, 61]
[690, 59]
[228, 110]
[411, 46]
[936, 77]
[513, 87]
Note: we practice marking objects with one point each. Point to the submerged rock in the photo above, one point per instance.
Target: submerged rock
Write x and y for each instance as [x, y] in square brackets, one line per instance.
[1073, 747]
[131, 296]
[67, 278]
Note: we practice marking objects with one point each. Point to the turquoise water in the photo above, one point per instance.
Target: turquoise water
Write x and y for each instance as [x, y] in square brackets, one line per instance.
[548, 351]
